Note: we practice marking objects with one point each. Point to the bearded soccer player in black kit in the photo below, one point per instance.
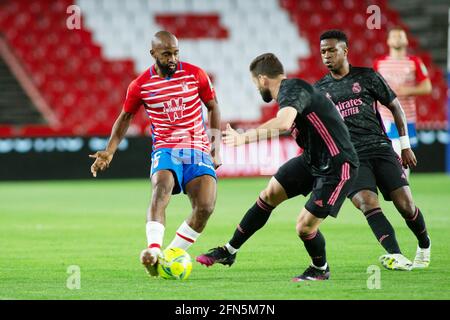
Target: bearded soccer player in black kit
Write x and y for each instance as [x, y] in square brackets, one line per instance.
[326, 169]
[355, 91]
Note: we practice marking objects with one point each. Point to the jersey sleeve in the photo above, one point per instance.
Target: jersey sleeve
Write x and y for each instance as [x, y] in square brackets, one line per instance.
[381, 90]
[133, 99]
[292, 95]
[205, 88]
[421, 70]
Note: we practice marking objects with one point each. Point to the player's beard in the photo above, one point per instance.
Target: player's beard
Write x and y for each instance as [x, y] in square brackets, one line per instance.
[165, 69]
[266, 95]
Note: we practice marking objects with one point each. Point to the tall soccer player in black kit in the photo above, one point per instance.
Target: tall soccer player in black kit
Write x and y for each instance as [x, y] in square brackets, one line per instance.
[355, 91]
[326, 169]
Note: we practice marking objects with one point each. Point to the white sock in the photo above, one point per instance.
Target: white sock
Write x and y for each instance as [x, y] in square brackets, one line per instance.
[184, 237]
[320, 268]
[155, 235]
[231, 249]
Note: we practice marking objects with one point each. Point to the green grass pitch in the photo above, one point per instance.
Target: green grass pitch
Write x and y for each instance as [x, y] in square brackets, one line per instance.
[99, 226]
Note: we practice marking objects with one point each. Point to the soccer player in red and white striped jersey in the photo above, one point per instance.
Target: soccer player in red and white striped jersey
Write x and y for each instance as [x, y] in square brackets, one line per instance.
[408, 77]
[174, 105]
[183, 160]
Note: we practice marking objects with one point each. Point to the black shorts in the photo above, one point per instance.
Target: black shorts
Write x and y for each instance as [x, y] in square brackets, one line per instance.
[328, 192]
[384, 171]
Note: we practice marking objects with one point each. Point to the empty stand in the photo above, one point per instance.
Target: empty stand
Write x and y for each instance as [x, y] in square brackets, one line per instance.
[221, 37]
[83, 88]
[83, 74]
[313, 17]
[22, 112]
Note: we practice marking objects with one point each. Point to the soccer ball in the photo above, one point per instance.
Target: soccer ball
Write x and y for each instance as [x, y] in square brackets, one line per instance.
[175, 264]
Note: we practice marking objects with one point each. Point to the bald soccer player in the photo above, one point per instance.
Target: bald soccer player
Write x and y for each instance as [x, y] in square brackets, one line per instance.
[184, 158]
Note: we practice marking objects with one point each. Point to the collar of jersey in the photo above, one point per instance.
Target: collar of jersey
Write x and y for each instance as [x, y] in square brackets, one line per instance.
[350, 67]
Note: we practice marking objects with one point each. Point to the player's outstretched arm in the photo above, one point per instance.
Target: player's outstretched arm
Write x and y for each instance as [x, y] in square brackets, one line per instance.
[104, 158]
[408, 157]
[272, 128]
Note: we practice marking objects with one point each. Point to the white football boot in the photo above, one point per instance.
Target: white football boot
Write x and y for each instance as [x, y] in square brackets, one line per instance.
[396, 261]
[423, 257]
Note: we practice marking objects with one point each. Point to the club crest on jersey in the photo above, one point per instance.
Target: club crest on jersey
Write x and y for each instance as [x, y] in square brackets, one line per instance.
[184, 86]
[174, 109]
[356, 87]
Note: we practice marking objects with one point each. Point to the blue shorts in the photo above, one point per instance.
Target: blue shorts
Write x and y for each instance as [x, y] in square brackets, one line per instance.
[392, 133]
[185, 164]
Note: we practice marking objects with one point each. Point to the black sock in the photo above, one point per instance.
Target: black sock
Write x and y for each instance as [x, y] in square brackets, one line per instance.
[383, 230]
[255, 218]
[417, 226]
[315, 245]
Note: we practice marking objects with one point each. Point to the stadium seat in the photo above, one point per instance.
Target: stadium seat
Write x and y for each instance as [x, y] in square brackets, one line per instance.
[80, 69]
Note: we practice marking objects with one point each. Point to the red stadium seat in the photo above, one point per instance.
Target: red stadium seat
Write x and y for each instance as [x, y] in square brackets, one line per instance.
[65, 65]
[193, 26]
[313, 17]
[77, 80]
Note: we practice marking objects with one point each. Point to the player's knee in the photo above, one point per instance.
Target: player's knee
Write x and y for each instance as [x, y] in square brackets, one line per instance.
[203, 211]
[162, 189]
[365, 202]
[406, 208]
[303, 228]
[269, 196]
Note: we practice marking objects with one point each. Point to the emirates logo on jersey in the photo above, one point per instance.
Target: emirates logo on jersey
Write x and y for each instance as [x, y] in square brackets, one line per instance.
[356, 87]
[174, 109]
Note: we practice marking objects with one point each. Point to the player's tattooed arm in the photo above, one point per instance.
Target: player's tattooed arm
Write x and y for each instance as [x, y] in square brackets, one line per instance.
[272, 128]
[214, 131]
[408, 157]
[104, 158]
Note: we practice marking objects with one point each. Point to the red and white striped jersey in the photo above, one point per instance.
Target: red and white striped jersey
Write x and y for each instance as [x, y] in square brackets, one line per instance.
[174, 106]
[407, 71]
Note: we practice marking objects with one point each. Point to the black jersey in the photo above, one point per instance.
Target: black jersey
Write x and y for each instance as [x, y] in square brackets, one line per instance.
[318, 127]
[356, 96]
